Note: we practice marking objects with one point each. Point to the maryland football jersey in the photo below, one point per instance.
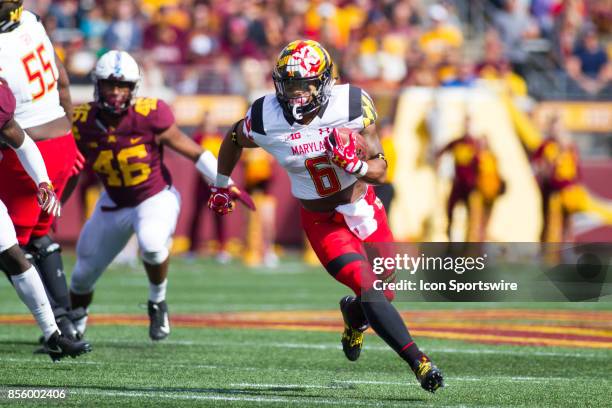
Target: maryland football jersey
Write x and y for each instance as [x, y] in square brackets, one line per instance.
[300, 149]
[127, 159]
[27, 63]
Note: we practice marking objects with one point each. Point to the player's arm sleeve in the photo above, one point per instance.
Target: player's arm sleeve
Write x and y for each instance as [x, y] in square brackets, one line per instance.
[32, 161]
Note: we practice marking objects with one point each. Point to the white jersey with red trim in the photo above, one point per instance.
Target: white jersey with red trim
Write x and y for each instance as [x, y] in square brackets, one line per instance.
[27, 63]
[300, 149]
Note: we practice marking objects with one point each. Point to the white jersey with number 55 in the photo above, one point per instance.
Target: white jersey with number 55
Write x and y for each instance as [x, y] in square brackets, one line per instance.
[300, 149]
[27, 63]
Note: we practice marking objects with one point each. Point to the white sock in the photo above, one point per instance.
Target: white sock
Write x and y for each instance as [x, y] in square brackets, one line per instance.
[157, 293]
[31, 291]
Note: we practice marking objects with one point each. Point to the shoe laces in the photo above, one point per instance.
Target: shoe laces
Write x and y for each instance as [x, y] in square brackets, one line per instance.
[354, 337]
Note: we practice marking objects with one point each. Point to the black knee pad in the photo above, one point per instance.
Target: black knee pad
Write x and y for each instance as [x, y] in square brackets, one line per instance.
[40, 248]
[46, 256]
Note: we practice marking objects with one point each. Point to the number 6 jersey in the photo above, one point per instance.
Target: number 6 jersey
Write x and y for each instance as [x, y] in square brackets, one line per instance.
[127, 159]
[27, 63]
[300, 149]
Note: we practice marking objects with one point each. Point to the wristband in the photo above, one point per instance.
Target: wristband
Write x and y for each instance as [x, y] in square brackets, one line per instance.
[207, 166]
[362, 170]
[222, 180]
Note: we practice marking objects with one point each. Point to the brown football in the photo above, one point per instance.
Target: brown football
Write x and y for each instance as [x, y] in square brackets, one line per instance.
[361, 145]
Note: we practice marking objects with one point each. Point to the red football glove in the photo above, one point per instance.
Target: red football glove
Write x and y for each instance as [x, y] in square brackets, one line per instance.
[220, 200]
[345, 155]
[242, 196]
[78, 165]
[48, 200]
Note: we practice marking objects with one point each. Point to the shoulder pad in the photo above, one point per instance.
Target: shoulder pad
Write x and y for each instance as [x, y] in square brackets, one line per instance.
[144, 106]
[257, 116]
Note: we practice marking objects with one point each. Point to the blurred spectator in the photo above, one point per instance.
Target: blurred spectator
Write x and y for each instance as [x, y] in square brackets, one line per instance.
[515, 28]
[209, 137]
[442, 36]
[593, 58]
[202, 41]
[65, 13]
[165, 43]
[93, 25]
[236, 43]
[124, 32]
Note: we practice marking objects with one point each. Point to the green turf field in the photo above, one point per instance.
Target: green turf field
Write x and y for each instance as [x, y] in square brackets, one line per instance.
[290, 366]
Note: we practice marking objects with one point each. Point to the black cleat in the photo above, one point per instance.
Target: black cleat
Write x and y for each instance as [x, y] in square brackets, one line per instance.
[428, 374]
[159, 327]
[66, 327]
[59, 346]
[352, 339]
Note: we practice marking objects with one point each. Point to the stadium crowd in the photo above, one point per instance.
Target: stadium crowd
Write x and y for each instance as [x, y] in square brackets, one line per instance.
[554, 48]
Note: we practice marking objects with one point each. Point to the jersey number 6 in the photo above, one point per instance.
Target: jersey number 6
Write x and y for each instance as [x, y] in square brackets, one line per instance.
[323, 175]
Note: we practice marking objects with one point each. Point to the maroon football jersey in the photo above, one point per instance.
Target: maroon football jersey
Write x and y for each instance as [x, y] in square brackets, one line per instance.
[7, 103]
[127, 159]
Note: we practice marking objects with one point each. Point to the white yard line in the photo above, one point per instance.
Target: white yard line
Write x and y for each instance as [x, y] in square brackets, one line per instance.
[327, 346]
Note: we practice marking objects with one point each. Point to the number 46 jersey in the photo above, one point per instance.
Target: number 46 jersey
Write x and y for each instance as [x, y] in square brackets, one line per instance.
[300, 149]
[27, 63]
[126, 159]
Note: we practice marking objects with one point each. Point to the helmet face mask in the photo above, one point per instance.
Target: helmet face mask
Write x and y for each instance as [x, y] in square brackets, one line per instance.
[115, 95]
[116, 78]
[10, 15]
[303, 78]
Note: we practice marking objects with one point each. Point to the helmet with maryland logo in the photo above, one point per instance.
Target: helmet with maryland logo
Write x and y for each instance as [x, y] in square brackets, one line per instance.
[303, 77]
[10, 14]
[119, 68]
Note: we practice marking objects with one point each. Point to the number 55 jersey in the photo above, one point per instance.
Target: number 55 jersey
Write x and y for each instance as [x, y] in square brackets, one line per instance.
[127, 159]
[27, 63]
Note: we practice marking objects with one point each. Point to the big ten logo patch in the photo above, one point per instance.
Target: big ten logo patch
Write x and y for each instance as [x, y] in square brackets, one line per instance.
[295, 136]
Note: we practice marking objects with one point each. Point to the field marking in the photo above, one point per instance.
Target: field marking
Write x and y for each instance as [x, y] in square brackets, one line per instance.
[588, 329]
[283, 400]
[264, 385]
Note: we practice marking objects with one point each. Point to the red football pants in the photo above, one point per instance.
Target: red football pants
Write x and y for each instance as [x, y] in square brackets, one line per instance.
[341, 252]
[18, 190]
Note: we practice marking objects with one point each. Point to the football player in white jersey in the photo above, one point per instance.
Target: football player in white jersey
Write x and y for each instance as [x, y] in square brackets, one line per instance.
[340, 212]
[39, 83]
[22, 274]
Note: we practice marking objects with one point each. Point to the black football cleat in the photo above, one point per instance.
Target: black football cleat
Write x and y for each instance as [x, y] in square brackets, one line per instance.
[428, 374]
[59, 346]
[352, 339]
[159, 327]
[65, 326]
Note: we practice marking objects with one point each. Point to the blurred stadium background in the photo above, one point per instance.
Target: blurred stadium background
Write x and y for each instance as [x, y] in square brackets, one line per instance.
[510, 65]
